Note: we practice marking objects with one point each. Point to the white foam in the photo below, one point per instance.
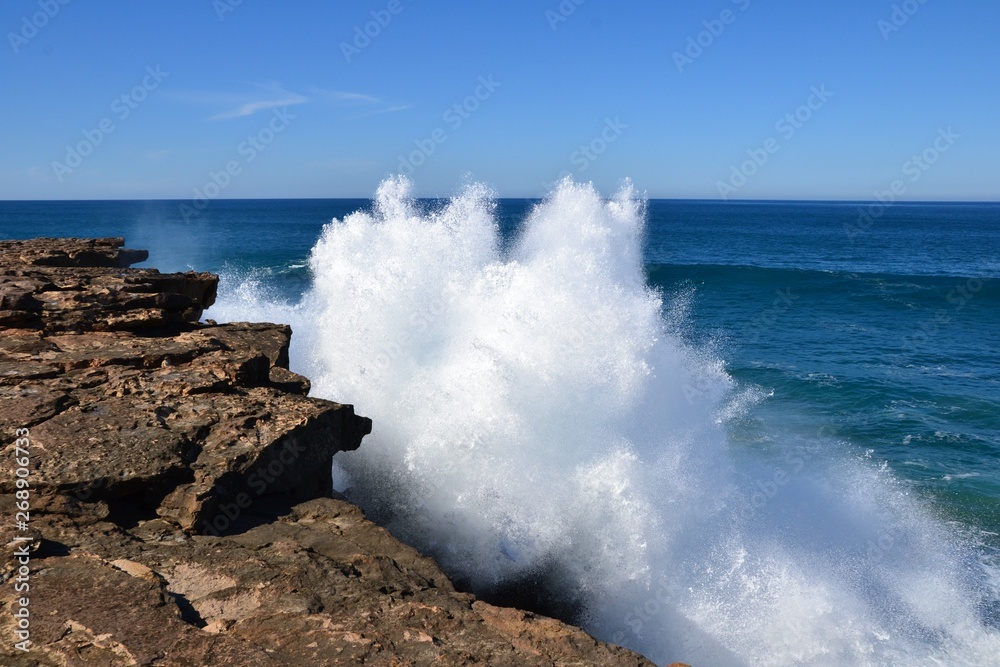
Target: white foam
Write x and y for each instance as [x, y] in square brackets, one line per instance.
[535, 410]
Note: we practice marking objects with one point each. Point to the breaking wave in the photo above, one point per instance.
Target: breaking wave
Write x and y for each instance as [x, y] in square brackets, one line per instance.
[544, 430]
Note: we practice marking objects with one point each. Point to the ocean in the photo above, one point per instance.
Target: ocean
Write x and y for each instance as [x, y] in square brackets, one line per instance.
[724, 433]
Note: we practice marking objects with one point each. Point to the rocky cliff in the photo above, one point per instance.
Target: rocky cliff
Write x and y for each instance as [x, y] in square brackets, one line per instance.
[166, 495]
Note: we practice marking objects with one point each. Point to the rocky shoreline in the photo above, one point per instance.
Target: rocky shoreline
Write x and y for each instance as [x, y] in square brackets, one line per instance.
[176, 477]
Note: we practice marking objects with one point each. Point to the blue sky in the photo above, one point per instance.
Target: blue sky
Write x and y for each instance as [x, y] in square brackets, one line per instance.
[260, 98]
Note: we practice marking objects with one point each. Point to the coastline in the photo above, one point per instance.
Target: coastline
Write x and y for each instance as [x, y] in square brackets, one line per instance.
[178, 493]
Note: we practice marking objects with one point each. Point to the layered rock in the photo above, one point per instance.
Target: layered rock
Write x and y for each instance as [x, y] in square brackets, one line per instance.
[51, 284]
[181, 501]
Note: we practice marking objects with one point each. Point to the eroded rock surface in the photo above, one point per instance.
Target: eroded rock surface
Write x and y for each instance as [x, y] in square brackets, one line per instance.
[52, 284]
[181, 509]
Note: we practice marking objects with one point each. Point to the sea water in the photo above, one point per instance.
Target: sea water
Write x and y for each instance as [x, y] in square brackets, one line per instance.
[722, 433]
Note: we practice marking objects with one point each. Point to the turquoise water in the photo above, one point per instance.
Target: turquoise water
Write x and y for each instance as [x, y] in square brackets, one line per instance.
[863, 339]
[891, 336]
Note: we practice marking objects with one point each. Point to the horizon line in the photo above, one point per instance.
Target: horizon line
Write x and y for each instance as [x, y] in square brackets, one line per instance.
[671, 199]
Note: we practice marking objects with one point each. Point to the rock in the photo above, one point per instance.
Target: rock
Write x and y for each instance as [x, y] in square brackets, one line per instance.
[180, 493]
[88, 612]
[318, 586]
[72, 252]
[180, 425]
[52, 285]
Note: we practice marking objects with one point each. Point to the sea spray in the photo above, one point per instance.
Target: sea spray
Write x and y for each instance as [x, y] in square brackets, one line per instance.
[539, 417]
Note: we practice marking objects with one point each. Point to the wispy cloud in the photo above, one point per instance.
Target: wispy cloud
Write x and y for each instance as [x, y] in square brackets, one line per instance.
[251, 108]
[239, 105]
[275, 97]
[272, 96]
[392, 109]
[342, 96]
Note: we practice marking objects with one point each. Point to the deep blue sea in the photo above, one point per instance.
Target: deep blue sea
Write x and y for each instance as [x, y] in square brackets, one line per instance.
[852, 365]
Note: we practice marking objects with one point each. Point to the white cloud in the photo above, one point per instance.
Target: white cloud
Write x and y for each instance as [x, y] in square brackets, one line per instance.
[393, 109]
[273, 95]
[276, 97]
[337, 96]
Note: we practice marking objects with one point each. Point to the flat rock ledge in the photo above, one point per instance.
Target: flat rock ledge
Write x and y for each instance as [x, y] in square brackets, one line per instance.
[181, 509]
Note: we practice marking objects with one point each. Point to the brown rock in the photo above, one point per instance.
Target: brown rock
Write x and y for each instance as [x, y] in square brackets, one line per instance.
[73, 252]
[88, 612]
[318, 586]
[55, 285]
[180, 425]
